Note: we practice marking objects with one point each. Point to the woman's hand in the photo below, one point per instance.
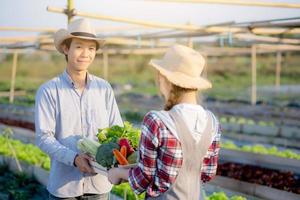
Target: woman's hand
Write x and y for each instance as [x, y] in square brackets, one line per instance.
[117, 175]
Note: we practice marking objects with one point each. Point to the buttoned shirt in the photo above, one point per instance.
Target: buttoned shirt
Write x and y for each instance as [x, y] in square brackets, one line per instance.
[63, 115]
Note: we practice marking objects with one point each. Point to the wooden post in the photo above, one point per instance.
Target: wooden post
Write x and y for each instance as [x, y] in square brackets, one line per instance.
[278, 69]
[13, 77]
[105, 64]
[70, 10]
[253, 74]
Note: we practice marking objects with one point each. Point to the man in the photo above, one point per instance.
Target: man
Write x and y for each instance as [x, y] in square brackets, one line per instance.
[72, 106]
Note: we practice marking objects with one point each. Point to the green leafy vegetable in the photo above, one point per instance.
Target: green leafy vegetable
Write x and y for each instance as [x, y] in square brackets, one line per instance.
[89, 146]
[114, 133]
[105, 156]
[260, 149]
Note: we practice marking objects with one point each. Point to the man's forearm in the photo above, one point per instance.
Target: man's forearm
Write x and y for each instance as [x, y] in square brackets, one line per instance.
[55, 149]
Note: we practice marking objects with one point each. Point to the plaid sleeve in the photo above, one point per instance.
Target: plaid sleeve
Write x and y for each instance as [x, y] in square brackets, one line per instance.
[141, 176]
[210, 161]
[160, 158]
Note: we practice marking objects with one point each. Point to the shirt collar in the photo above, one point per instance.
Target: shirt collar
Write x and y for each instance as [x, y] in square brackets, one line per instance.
[72, 83]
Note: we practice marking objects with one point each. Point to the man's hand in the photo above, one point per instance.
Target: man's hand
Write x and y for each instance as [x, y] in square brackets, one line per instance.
[82, 162]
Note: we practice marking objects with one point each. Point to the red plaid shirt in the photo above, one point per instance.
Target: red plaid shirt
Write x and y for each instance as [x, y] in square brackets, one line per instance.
[161, 158]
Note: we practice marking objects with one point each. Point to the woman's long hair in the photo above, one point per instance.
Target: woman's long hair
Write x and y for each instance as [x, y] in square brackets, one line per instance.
[175, 94]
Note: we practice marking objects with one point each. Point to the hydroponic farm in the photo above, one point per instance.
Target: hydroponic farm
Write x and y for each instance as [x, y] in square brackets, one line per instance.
[252, 58]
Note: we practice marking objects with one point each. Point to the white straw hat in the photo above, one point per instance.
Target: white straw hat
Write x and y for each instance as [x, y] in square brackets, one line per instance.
[182, 66]
[79, 28]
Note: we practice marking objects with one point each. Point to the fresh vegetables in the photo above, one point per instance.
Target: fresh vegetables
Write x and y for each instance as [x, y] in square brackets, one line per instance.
[88, 146]
[123, 151]
[105, 156]
[116, 137]
[114, 133]
[126, 137]
[125, 142]
[133, 158]
[120, 158]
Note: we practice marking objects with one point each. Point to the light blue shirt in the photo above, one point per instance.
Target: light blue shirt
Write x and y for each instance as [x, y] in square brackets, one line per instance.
[62, 117]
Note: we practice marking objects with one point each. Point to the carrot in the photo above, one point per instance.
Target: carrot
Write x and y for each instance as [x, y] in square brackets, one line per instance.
[124, 151]
[120, 158]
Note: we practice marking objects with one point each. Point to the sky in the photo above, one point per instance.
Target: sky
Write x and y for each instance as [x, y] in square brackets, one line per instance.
[33, 13]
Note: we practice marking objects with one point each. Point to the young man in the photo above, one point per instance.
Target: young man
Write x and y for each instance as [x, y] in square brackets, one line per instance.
[72, 106]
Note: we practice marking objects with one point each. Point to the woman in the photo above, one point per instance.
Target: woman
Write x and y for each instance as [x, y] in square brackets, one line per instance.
[179, 146]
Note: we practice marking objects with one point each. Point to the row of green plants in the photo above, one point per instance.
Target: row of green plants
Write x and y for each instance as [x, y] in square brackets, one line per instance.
[137, 117]
[32, 155]
[223, 196]
[28, 153]
[242, 120]
[260, 149]
[125, 190]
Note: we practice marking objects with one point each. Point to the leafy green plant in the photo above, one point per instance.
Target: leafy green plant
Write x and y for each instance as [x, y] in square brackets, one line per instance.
[34, 156]
[112, 134]
[242, 120]
[260, 149]
[223, 196]
[28, 153]
[124, 189]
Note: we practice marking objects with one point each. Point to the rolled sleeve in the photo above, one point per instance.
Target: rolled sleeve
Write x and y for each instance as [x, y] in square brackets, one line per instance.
[210, 161]
[137, 180]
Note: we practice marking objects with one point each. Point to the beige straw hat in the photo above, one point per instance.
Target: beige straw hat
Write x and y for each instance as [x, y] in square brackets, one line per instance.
[182, 66]
[79, 28]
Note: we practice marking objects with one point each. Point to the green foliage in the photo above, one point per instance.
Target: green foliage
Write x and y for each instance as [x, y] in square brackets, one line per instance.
[28, 153]
[133, 158]
[125, 188]
[120, 190]
[105, 156]
[223, 196]
[114, 133]
[88, 146]
[260, 149]
[230, 76]
[242, 120]
[33, 155]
